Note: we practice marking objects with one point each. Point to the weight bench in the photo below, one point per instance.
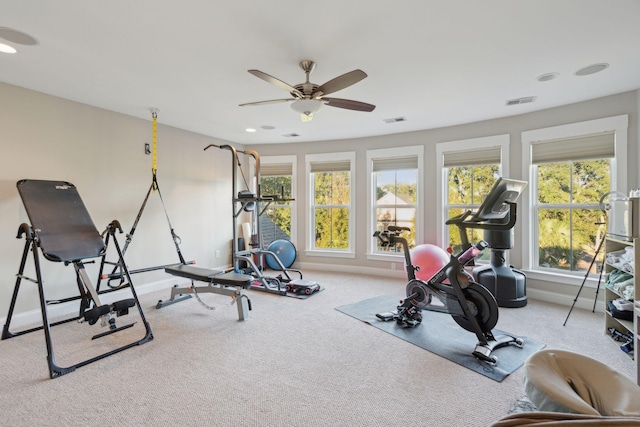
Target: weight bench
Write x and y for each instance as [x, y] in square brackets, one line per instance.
[63, 230]
[218, 282]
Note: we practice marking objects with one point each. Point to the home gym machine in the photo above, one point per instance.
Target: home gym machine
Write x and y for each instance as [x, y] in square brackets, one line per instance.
[248, 202]
[497, 217]
[470, 304]
[62, 229]
[218, 282]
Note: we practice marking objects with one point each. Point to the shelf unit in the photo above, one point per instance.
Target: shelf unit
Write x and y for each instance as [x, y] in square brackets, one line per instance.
[636, 322]
[623, 326]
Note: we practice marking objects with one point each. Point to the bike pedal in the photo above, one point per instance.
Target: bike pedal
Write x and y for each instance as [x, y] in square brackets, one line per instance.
[386, 316]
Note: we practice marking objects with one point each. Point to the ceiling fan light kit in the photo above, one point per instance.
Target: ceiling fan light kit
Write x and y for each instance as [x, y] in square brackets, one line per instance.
[308, 97]
[307, 108]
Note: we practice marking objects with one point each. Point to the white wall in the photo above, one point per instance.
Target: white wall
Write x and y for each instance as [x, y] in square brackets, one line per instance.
[102, 153]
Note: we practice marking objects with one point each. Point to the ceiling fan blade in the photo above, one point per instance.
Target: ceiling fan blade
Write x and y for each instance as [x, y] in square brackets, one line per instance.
[276, 82]
[272, 101]
[348, 104]
[341, 82]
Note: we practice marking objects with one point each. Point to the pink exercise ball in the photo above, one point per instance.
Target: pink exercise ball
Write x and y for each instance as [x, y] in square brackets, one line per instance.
[430, 259]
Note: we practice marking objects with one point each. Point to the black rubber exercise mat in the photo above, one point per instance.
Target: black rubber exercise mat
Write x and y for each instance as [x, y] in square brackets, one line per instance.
[62, 223]
[440, 334]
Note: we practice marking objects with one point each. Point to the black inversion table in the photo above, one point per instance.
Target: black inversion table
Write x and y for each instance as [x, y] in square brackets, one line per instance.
[63, 230]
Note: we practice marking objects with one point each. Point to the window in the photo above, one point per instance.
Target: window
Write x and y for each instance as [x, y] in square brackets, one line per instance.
[395, 177]
[277, 175]
[570, 168]
[469, 169]
[567, 211]
[331, 204]
[466, 188]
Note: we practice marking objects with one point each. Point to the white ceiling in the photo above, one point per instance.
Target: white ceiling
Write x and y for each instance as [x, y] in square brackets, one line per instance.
[436, 63]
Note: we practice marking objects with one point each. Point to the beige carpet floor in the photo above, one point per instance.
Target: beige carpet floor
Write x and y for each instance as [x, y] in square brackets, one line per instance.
[293, 363]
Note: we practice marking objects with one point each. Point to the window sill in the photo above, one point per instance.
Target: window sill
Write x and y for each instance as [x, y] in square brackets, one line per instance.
[396, 257]
[563, 278]
[329, 254]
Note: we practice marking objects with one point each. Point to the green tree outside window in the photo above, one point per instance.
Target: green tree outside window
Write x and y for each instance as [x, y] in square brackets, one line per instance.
[280, 211]
[467, 187]
[332, 195]
[570, 221]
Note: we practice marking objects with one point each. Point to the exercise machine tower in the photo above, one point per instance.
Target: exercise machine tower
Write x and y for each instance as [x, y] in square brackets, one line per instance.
[497, 217]
[255, 204]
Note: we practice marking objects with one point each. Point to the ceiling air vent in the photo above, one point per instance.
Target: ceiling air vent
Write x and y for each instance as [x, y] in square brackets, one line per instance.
[290, 135]
[395, 120]
[525, 100]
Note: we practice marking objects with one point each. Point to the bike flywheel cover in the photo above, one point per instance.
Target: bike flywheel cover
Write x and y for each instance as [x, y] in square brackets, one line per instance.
[423, 294]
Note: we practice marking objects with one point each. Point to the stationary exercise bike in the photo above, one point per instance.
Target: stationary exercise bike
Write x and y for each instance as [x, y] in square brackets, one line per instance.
[470, 304]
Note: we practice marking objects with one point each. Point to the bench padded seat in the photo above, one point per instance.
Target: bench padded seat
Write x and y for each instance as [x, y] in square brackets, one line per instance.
[210, 276]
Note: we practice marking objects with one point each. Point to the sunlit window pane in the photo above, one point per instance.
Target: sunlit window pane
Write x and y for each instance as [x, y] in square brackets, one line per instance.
[278, 210]
[468, 186]
[332, 228]
[570, 222]
[591, 179]
[554, 182]
[395, 203]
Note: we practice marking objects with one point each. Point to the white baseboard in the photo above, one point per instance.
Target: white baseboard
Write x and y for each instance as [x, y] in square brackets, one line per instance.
[563, 299]
[353, 269]
[69, 309]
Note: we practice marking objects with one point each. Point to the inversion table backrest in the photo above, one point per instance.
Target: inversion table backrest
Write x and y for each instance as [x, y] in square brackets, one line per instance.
[60, 220]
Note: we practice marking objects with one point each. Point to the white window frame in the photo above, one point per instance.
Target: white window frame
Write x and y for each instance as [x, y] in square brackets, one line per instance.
[619, 125]
[350, 252]
[389, 153]
[496, 141]
[293, 160]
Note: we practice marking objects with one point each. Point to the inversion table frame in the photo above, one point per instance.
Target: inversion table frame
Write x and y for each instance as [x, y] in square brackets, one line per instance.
[62, 228]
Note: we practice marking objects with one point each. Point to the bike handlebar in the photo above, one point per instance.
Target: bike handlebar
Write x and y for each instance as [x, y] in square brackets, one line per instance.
[396, 228]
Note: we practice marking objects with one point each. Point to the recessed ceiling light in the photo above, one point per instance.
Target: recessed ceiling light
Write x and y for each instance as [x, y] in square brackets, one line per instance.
[268, 127]
[16, 36]
[250, 130]
[5, 48]
[592, 69]
[547, 77]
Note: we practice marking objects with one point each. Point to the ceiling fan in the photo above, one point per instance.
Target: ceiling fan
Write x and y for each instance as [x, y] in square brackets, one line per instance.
[309, 97]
